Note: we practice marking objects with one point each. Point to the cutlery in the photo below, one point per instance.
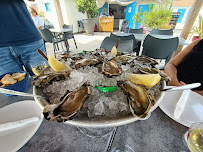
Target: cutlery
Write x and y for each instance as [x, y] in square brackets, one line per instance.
[7, 91]
[16, 124]
[184, 87]
[181, 104]
[42, 54]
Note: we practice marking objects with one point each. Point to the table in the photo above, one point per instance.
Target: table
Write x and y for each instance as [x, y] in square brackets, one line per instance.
[60, 30]
[158, 133]
[140, 37]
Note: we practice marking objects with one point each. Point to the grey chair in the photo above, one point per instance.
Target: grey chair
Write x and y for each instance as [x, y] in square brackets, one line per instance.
[162, 32]
[54, 39]
[69, 35]
[159, 48]
[123, 38]
[124, 25]
[80, 25]
[126, 30]
[124, 45]
[138, 31]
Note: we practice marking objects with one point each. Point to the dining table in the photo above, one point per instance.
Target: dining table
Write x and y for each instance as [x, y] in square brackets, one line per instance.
[158, 133]
[141, 37]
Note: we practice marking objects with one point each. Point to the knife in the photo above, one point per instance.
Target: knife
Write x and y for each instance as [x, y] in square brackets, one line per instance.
[181, 104]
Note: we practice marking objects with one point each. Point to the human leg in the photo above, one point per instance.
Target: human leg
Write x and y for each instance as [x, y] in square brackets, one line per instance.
[30, 55]
[9, 60]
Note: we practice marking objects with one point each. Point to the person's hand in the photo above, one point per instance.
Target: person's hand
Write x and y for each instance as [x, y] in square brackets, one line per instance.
[176, 83]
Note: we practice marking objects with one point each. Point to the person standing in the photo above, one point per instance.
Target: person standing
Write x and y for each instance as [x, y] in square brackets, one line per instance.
[19, 38]
[39, 22]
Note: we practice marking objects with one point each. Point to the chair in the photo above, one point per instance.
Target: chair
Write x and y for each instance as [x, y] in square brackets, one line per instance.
[129, 37]
[162, 32]
[138, 31]
[49, 37]
[126, 30]
[69, 35]
[124, 45]
[159, 48]
[80, 25]
[124, 25]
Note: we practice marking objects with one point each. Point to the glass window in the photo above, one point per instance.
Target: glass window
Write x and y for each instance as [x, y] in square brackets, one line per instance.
[48, 7]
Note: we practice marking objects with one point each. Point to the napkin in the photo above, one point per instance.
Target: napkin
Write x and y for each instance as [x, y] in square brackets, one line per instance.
[16, 124]
[181, 103]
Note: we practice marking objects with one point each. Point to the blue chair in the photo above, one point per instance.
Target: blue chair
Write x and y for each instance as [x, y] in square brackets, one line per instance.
[162, 32]
[159, 48]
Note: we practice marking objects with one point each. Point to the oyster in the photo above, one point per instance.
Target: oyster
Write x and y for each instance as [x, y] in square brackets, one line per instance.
[124, 59]
[69, 106]
[139, 99]
[84, 62]
[48, 77]
[111, 68]
[146, 60]
[163, 75]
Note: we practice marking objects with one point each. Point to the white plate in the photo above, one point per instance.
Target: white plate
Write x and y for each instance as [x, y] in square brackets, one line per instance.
[193, 110]
[14, 139]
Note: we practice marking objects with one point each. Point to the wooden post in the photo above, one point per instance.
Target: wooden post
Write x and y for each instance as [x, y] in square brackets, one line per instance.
[58, 12]
[189, 22]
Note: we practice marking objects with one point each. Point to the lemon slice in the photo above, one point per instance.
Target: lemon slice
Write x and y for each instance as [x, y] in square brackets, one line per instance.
[55, 64]
[148, 80]
[114, 50]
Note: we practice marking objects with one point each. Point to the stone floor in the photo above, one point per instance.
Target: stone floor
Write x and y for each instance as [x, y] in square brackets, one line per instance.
[84, 42]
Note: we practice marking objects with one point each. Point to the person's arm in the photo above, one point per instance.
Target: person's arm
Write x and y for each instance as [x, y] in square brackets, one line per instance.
[40, 23]
[170, 67]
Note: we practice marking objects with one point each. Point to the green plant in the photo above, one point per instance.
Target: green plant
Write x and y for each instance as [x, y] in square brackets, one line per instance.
[88, 6]
[198, 29]
[157, 17]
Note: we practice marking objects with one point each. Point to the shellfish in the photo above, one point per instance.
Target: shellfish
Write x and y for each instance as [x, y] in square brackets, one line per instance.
[69, 106]
[139, 99]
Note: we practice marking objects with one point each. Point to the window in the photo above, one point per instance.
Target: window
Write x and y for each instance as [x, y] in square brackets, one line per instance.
[48, 7]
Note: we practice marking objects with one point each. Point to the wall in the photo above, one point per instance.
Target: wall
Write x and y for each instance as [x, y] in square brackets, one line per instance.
[71, 14]
[51, 16]
[181, 25]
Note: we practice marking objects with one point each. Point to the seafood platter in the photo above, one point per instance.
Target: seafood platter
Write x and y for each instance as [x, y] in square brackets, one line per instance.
[100, 89]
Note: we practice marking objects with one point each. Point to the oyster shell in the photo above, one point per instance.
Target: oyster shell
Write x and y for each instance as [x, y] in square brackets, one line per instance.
[69, 106]
[124, 59]
[48, 76]
[84, 62]
[139, 99]
[111, 68]
[146, 59]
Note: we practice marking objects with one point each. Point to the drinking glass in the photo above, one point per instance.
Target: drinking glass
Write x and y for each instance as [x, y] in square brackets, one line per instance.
[38, 67]
[194, 137]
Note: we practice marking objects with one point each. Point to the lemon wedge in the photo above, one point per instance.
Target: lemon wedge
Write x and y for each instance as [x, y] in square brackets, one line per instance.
[56, 65]
[149, 80]
[114, 50]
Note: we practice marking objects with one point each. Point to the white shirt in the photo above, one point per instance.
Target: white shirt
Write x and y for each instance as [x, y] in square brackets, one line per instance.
[38, 21]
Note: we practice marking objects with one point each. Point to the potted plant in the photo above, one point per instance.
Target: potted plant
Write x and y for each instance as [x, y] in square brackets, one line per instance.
[89, 7]
[158, 17]
[197, 31]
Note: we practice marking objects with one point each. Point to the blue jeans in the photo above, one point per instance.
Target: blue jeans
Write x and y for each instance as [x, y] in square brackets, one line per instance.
[13, 58]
